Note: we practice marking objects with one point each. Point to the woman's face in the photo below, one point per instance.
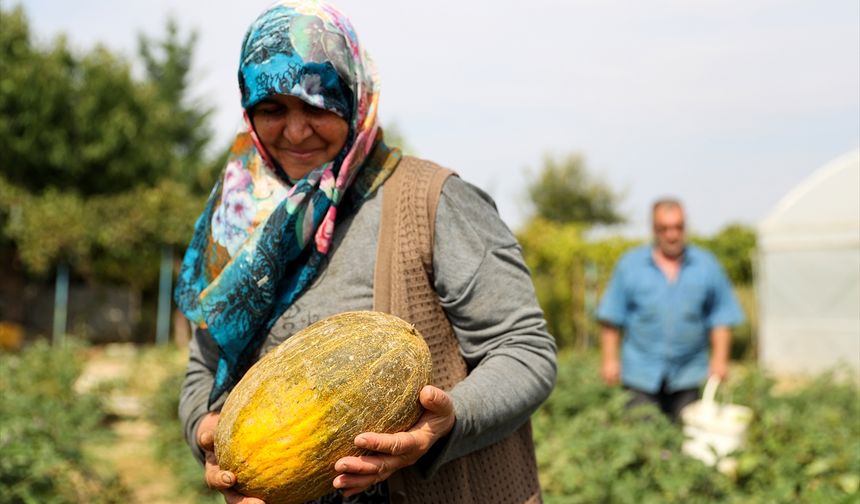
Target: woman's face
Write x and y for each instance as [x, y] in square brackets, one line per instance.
[299, 136]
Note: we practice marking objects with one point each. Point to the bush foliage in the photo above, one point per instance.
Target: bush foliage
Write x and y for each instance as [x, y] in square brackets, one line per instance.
[85, 231]
[734, 246]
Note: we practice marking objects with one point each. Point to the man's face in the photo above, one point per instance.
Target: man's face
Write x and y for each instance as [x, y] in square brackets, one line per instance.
[669, 230]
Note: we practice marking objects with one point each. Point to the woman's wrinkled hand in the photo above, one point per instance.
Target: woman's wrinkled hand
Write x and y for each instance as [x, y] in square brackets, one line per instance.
[399, 450]
[217, 479]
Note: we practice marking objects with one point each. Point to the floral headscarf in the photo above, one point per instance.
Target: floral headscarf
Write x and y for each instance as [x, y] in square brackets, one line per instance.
[261, 239]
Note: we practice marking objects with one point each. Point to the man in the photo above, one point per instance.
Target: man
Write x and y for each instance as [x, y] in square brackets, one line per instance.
[671, 301]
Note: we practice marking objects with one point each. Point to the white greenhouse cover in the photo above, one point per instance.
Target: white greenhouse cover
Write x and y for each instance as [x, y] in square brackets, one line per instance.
[808, 280]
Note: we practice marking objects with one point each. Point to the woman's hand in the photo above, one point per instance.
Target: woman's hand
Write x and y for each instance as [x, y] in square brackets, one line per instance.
[396, 451]
[217, 479]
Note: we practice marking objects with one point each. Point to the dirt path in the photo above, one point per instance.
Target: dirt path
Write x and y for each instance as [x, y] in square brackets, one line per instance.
[131, 452]
[132, 458]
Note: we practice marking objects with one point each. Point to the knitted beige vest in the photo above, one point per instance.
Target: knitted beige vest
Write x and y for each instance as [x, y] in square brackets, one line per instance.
[502, 473]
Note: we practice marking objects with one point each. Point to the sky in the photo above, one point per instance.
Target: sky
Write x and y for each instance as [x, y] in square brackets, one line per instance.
[725, 104]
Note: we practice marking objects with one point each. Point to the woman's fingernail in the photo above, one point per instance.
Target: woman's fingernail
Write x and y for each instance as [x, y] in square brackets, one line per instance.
[361, 442]
[226, 478]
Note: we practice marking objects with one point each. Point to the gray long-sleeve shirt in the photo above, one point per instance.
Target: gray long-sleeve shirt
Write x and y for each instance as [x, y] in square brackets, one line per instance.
[486, 291]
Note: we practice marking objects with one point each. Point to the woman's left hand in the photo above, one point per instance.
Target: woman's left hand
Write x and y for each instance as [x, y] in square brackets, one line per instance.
[399, 450]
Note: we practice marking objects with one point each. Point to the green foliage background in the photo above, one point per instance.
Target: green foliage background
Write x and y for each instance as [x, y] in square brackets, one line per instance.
[733, 245]
[45, 427]
[564, 191]
[566, 269]
[98, 169]
[803, 444]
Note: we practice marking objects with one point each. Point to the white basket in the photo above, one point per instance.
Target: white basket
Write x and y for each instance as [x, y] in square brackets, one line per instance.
[714, 430]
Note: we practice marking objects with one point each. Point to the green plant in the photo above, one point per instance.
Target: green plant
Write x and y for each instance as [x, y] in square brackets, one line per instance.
[569, 274]
[744, 336]
[45, 428]
[101, 167]
[733, 246]
[564, 191]
[803, 446]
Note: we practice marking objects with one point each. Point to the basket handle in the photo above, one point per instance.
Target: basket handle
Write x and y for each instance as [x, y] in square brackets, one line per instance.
[710, 391]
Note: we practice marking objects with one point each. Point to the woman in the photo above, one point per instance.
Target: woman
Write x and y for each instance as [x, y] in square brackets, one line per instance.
[294, 232]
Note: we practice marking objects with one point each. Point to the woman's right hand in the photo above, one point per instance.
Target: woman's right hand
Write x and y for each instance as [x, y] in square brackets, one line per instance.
[217, 479]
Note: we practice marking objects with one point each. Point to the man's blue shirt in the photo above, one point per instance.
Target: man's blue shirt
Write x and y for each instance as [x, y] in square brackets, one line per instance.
[666, 325]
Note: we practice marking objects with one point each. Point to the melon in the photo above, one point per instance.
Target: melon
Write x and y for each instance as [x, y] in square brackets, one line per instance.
[300, 407]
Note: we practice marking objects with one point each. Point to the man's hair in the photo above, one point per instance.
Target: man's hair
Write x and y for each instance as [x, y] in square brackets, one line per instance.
[666, 203]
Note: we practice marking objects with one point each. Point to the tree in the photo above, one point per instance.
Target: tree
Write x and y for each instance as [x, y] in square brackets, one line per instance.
[567, 200]
[74, 123]
[33, 91]
[733, 245]
[168, 64]
[98, 168]
[566, 269]
[565, 192]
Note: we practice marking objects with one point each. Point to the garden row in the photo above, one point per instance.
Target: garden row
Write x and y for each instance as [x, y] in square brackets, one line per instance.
[803, 445]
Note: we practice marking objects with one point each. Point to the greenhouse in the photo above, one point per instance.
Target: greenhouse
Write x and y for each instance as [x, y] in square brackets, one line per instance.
[808, 274]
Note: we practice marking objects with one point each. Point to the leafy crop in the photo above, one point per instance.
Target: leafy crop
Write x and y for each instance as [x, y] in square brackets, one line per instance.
[45, 426]
[803, 446]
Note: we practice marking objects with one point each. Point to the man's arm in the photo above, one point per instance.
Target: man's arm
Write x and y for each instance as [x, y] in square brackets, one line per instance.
[721, 344]
[612, 315]
[725, 313]
[610, 368]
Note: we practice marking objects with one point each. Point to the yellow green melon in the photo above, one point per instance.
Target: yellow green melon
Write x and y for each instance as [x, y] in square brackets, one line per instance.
[300, 407]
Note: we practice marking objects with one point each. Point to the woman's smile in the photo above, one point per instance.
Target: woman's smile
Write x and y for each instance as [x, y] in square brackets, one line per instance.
[301, 154]
[297, 135]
